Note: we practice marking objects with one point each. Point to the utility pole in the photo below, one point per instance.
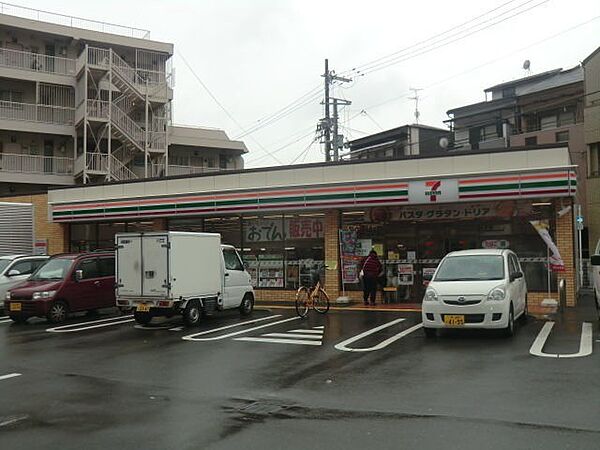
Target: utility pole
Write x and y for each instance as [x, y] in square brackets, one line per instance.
[326, 124]
[337, 138]
[416, 99]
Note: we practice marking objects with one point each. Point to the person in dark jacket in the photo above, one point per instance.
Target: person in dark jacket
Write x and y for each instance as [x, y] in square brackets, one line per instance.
[371, 271]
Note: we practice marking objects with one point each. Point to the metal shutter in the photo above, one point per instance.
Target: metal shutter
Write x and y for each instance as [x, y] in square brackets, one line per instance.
[16, 228]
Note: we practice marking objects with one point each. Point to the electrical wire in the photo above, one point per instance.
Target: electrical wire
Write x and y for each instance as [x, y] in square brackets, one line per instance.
[283, 147]
[443, 43]
[216, 100]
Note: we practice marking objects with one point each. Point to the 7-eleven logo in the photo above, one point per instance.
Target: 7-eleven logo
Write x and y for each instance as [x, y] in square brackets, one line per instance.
[433, 190]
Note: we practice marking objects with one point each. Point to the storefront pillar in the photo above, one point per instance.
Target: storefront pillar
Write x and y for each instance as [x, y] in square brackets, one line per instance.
[332, 253]
[566, 246]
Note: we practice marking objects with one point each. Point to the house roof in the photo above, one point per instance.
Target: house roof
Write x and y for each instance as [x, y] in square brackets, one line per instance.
[528, 79]
[591, 55]
[389, 136]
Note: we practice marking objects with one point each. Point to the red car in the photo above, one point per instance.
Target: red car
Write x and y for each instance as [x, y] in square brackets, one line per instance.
[65, 283]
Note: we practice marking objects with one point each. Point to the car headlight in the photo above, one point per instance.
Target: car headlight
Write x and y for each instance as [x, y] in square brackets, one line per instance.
[7, 296]
[43, 294]
[431, 295]
[497, 294]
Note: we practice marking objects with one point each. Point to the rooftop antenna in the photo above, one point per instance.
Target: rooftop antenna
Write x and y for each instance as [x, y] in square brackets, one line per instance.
[416, 99]
[527, 67]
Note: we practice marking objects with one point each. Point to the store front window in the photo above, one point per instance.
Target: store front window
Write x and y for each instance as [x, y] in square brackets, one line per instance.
[279, 251]
[411, 241]
[89, 237]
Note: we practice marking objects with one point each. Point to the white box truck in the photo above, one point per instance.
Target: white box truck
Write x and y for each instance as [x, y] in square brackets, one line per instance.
[169, 273]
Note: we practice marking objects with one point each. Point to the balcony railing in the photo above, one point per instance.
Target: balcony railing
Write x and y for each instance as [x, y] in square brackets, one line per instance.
[71, 21]
[49, 165]
[36, 62]
[27, 112]
[158, 170]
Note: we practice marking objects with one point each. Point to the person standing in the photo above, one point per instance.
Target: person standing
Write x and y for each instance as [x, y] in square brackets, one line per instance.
[371, 271]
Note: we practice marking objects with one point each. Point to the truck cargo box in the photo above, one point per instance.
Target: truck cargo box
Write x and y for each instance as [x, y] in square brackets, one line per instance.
[168, 265]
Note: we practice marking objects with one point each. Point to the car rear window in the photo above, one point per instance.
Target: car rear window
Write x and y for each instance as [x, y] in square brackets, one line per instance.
[471, 268]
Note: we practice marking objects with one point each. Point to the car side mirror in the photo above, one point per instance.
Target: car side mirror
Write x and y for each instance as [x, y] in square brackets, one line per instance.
[13, 273]
[78, 275]
[595, 260]
[516, 275]
[427, 276]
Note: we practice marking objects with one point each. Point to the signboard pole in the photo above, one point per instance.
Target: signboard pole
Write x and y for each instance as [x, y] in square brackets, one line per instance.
[343, 299]
[580, 245]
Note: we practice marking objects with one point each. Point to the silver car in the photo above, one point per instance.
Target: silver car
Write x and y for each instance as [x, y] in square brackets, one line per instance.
[17, 268]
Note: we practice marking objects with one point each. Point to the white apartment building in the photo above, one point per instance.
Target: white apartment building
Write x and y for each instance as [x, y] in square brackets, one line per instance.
[84, 102]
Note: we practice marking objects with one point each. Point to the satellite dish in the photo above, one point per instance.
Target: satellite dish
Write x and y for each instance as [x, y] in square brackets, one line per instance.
[444, 142]
[526, 64]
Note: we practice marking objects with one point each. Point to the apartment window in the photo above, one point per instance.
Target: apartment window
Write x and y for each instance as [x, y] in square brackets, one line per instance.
[11, 96]
[531, 140]
[566, 117]
[595, 159]
[508, 92]
[562, 136]
[548, 122]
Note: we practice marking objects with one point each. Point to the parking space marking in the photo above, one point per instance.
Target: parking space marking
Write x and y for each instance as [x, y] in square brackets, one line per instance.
[6, 321]
[194, 337]
[294, 337]
[343, 346]
[90, 325]
[9, 375]
[585, 343]
[152, 327]
[4, 317]
[278, 341]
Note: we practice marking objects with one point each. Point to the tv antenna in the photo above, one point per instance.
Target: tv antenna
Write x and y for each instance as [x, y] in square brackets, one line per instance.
[416, 99]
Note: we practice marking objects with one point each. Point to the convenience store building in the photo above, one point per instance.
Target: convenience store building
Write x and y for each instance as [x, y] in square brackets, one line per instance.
[286, 221]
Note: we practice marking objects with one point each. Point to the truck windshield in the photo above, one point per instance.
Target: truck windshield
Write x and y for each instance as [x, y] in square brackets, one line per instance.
[54, 269]
[471, 268]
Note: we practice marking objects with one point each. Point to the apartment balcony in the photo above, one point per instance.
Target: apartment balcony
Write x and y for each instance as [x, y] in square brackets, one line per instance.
[47, 170]
[35, 66]
[29, 117]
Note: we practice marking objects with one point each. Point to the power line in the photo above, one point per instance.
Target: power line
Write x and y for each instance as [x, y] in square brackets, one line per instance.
[465, 72]
[356, 69]
[283, 147]
[444, 42]
[233, 119]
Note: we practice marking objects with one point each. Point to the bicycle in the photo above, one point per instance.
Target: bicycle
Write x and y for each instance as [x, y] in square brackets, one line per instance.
[314, 297]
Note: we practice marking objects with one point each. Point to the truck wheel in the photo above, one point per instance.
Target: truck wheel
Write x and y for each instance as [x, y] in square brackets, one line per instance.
[143, 318]
[58, 312]
[192, 313]
[247, 305]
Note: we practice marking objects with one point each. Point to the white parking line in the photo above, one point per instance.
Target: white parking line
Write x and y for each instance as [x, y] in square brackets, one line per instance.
[6, 321]
[343, 346]
[585, 343]
[4, 317]
[9, 375]
[294, 335]
[82, 326]
[319, 332]
[193, 337]
[278, 341]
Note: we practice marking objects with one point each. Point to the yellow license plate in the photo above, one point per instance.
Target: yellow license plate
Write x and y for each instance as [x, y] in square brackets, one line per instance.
[15, 307]
[142, 307]
[454, 320]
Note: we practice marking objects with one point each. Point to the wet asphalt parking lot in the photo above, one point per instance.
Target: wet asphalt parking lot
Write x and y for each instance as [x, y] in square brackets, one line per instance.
[345, 380]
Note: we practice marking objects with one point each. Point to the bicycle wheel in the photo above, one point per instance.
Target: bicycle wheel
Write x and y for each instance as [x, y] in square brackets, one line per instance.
[321, 301]
[302, 300]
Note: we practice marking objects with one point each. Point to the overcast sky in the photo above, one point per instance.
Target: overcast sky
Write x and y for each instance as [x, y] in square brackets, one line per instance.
[257, 56]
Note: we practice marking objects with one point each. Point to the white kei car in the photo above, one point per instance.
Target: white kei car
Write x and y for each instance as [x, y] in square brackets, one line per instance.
[475, 289]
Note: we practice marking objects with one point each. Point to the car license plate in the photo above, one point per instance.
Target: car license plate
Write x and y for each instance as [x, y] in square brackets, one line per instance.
[15, 307]
[454, 320]
[142, 307]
